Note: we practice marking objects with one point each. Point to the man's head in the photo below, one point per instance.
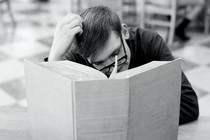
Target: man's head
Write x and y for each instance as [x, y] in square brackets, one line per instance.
[102, 37]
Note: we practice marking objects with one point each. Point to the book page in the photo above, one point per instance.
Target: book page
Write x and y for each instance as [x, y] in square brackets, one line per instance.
[49, 99]
[155, 102]
[140, 69]
[73, 70]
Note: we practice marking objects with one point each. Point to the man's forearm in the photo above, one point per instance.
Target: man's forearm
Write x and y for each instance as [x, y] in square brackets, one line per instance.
[189, 108]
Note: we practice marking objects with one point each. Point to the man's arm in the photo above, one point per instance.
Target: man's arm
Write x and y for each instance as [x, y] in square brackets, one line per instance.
[189, 109]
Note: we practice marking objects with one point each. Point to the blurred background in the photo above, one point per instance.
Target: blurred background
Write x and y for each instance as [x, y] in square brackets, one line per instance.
[27, 28]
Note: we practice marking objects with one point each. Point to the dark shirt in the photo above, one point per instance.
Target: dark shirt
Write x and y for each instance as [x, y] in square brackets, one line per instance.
[146, 46]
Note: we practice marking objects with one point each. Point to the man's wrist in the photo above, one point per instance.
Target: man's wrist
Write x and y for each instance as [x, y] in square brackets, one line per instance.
[55, 57]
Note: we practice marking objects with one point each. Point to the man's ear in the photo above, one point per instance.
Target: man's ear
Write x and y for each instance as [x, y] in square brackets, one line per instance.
[125, 31]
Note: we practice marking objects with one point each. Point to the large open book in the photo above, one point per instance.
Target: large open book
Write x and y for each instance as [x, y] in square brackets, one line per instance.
[70, 101]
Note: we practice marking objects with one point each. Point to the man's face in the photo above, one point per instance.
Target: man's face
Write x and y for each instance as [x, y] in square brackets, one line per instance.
[106, 56]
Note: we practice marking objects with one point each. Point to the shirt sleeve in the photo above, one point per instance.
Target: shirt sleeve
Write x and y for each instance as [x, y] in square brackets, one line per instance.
[189, 109]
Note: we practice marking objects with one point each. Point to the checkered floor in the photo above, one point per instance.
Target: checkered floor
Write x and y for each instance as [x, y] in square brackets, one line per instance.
[32, 38]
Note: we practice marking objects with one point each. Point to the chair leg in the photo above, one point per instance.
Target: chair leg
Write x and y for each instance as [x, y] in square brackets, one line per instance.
[171, 36]
[11, 14]
[206, 24]
[142, 13]
[171, 31]
[2, 23]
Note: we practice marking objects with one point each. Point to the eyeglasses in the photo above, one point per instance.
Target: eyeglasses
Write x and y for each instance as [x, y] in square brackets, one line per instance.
[120, 61]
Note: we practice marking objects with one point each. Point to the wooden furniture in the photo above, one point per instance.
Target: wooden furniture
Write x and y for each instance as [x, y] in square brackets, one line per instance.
[197, 130]
[207, 17]
[161, 13]
[81, 5]
[126, 9]
[130, 16]
[14, 125]
[7, 2]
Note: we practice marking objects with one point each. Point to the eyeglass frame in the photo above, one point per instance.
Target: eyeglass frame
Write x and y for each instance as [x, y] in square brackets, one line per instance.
[112, 64]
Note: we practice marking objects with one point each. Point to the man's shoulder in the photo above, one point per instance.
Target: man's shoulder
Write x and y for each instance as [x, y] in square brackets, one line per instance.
[142, 35]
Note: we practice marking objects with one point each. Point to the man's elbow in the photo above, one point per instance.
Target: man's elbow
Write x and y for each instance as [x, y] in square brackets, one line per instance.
[195, 114]
[188, 115]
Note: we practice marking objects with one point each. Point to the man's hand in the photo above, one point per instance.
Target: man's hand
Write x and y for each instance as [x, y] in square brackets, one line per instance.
[64, 36]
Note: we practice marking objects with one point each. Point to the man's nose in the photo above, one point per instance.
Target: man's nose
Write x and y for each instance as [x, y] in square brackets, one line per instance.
[109, 61]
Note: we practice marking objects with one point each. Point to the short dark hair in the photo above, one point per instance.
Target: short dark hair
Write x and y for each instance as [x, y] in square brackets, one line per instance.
[98, 22]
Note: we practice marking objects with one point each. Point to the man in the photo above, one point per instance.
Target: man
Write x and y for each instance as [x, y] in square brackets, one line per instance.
[97, 35]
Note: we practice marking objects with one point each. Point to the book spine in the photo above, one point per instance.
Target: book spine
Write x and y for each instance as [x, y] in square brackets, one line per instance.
[74, 112]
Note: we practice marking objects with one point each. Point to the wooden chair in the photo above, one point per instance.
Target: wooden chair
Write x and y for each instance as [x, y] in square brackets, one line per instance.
[116, 5]
[7, 2]
[159, 13]
[130, 16]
